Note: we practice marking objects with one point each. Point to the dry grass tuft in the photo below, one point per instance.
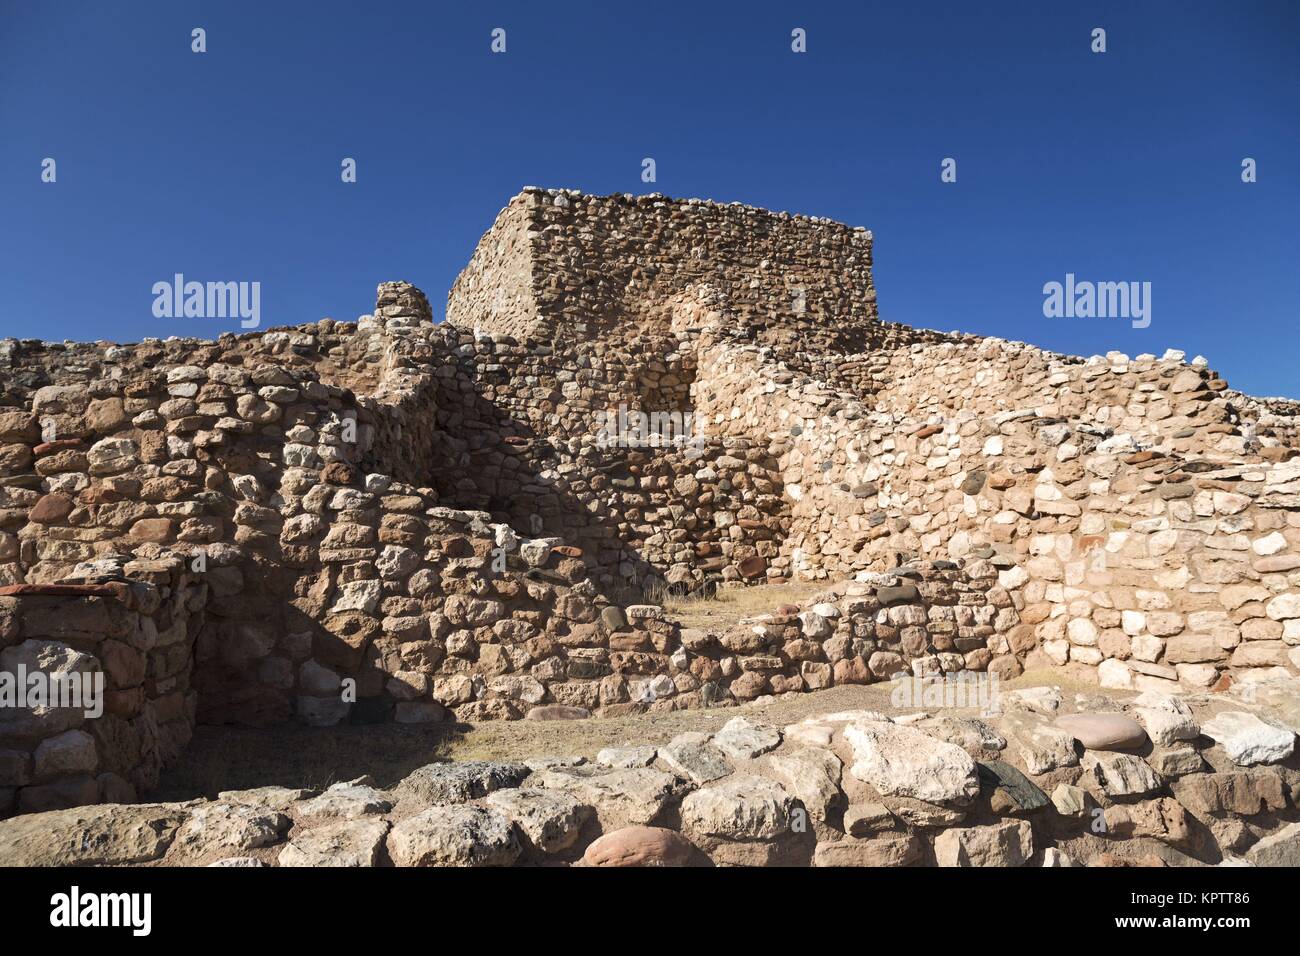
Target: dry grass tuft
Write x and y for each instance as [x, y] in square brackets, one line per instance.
[729, 605]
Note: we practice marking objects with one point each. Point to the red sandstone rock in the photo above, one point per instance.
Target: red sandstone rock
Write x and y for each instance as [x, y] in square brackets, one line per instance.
[640, 846]
[51, 509]
[53, 447]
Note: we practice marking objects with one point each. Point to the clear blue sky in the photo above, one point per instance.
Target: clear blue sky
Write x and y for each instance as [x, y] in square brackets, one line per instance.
[1123, 166]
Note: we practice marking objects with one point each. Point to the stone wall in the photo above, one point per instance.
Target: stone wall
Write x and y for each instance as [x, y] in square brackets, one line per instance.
[615, 266]
[392, 520]
[136, 638]
[1142, 527]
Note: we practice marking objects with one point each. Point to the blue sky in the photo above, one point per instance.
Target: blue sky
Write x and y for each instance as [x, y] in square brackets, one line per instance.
[1122, 166]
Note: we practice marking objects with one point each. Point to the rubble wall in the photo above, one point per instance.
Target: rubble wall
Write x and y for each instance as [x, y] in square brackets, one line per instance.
[1146, 531]
[110, 742]
[392, 520]
[618, 265]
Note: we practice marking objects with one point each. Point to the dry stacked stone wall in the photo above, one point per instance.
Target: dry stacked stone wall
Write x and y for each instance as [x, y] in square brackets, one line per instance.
[558, 266]
[136, 639]
[397, 520]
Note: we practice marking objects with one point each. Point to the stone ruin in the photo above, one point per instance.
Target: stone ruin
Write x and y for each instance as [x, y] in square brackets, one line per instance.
[395, 520]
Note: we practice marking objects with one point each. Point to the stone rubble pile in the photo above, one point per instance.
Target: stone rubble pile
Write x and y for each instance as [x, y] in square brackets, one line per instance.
[1152, 780]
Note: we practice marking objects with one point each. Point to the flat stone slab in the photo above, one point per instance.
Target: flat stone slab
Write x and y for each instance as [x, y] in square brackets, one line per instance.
[1040, 700]
[1003, 778]
[1247, 740]
[104, 835]
[743, 739]
[458, 782]
[810, 735]
[902, 761]
[273, 798]
[867, 819]
[557, 712]
[1103, 731]
[347, 843]
[699, 763]
[900, 594]
[345, 801]
[882, 850]
[455, 835]
[61, 590]
[968, 733]
[742, 807]
[625, 757]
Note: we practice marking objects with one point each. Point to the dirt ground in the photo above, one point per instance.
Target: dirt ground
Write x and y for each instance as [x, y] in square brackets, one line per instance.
[290, 755]
[234, 758]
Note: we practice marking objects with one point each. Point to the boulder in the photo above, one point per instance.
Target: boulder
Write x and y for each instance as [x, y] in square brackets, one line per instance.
[1166, 718]
[229, 826]
[458, 782]
[811, 775]
[901, 761]
[1121, 775]
[1011, 790]
[640, 846]
[741, 738]
[455, 835]
[1009, 843]
[1277, 849]
[1043, 748]
[346, 843]
[1162, 819]
[621, 798]
[106, 835]
[886, 850]
[696, 762]
[1248, 740]
[742, 807]
[1103, 731]
[549, 820]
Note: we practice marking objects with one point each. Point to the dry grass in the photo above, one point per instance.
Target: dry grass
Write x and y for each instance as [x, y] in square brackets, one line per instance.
[729, 605]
